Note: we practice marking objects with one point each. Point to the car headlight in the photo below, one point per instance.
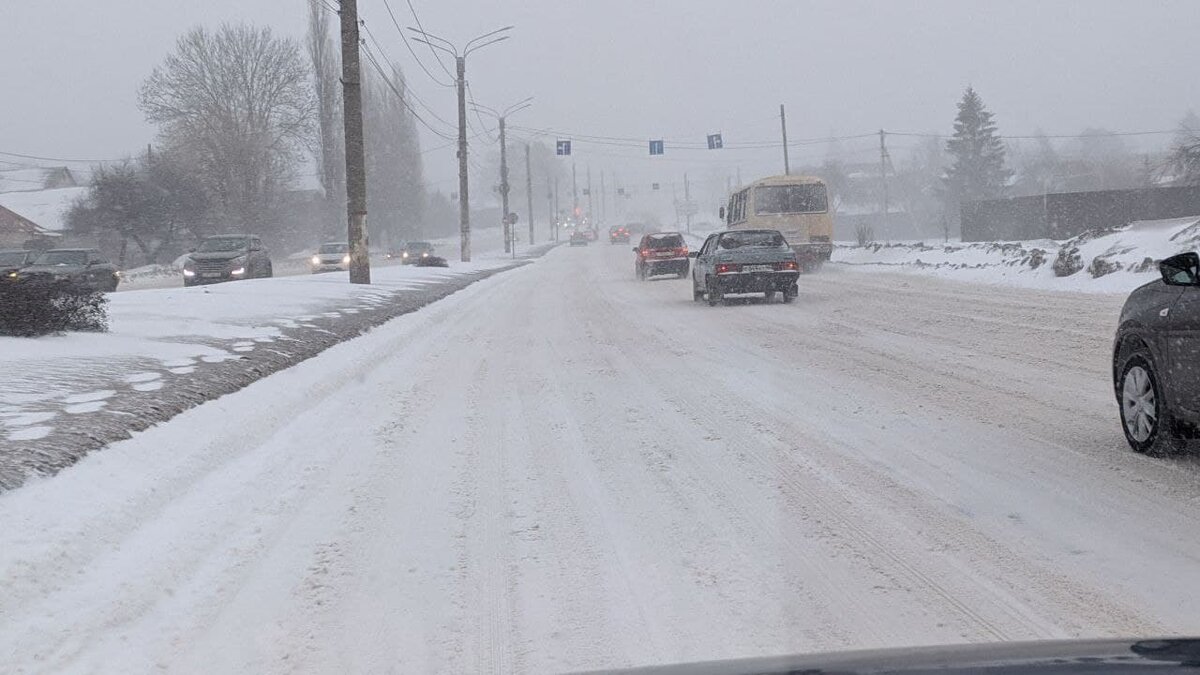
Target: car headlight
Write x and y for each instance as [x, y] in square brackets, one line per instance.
[346, 260]
[13, 275]
[316, 260]
[404, 255]
[238, 271]
[424, 255]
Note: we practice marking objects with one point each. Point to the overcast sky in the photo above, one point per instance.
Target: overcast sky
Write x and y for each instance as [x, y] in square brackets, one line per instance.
[676, 70]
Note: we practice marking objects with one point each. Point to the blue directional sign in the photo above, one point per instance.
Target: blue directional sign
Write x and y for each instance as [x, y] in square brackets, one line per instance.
[654, 186]
[563, 148]
[714, 142]
[656, 147]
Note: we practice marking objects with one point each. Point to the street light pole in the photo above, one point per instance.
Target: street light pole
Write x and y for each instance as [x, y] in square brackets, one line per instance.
[506, 221]
[460, 61]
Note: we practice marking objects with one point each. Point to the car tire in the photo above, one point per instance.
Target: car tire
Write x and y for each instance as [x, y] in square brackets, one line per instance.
[697, 292]
[769, 297]
[683, 273]
[1149, 431]
[790, 294]
[268, 272]
[715, 296]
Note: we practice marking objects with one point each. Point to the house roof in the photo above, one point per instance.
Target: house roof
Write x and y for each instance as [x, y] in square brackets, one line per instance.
[36, 178]
[46, 208]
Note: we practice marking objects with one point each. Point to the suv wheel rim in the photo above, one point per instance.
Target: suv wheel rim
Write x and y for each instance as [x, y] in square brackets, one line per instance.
[1138, 404]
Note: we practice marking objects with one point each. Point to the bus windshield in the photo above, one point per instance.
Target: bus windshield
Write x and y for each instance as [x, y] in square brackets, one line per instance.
[778, 199]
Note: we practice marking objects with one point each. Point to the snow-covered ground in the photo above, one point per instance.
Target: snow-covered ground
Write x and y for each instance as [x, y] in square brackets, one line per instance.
[1109, 262]
[562, 468]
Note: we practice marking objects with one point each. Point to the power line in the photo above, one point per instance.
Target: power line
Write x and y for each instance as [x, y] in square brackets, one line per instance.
[62, 159]
[399, 95]
[437, 57]
[404, 39]
[475, 106]
[407, 89]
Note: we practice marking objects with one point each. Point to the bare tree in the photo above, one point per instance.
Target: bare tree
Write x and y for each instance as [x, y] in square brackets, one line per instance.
[330, 151]
[1183, 164]
[237, 104]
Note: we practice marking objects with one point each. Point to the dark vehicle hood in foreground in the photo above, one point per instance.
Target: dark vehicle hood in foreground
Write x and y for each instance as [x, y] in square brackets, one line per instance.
[1067, 657]
[60, 270]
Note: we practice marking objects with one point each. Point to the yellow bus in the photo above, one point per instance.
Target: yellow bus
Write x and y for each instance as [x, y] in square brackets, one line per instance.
[797, 206]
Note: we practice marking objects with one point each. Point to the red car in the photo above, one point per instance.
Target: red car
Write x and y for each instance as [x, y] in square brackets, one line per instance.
[618, 234]
[661, 253]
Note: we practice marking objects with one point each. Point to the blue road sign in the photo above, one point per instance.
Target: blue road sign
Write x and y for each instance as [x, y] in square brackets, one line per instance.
[563, 148]
[714, 142]
[654, 186]
[656, 147]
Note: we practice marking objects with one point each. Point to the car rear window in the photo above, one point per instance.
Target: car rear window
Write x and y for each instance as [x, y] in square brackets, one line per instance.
[665, 241]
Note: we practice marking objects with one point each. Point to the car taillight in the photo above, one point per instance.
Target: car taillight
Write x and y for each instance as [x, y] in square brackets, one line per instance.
[727, 268]
[787, 265]
[681, 252]
[645, 253]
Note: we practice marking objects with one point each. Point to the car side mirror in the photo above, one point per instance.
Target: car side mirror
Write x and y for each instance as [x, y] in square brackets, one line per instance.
[1181, 270]
[721, 213]
[693, 254]
[636, 249]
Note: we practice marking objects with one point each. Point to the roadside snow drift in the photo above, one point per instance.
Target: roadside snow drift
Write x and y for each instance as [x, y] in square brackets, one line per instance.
[1109, 261]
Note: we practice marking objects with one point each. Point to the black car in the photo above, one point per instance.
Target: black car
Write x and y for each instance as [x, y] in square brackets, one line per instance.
[227, 257]
[618, 234]
[661, 253]
[579, 238]
[414, 251]
[84, 268]
[13, 261]
[745, 261]
[1051, 657]
[1156, 358]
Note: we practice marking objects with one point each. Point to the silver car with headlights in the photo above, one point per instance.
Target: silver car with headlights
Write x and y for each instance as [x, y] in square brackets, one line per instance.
[227, 257]
[332, 256]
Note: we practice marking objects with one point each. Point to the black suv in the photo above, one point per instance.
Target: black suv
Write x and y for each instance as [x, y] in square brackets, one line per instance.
[12, 261]
[227, 257]
[83, 268]
[1156, 358]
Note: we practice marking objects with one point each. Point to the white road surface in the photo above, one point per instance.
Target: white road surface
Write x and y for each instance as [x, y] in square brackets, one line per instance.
[561, 468]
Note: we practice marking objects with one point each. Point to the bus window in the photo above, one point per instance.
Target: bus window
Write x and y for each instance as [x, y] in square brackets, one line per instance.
[779, 199]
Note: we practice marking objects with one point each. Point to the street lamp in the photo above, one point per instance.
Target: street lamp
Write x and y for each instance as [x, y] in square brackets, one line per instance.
[509, 240]
[460, 60]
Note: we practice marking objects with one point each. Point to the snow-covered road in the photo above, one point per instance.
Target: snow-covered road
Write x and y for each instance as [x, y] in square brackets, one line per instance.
[561, 468]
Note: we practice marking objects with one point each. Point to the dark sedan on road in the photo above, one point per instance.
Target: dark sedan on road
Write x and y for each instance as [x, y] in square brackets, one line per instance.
[83, 268]
[745, 261]
[227, 257]
[661, 253]
[1156, 358]
[413, 251]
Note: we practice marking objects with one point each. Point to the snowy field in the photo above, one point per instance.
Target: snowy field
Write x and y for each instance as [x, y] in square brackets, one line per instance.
[562, 468]
[1110, 262]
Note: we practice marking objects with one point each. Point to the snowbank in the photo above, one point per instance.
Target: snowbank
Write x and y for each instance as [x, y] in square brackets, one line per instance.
[1109, 261]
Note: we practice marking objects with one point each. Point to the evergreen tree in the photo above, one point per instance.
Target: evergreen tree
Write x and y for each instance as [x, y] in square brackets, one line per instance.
[977, 169]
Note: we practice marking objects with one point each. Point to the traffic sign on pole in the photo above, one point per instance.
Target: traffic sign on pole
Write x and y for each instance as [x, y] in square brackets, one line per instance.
[656, 147]
[714, 142]
[563, 148]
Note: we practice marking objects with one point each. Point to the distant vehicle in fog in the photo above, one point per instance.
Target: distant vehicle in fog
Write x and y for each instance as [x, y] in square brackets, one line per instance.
[84, 268]
[796, 206]
[227, 257]
[331, 257]
[432, 261]
[661, 253]
[414, 251]
[579, 238]
[745, 261]
[618, 234]
[1156, 359]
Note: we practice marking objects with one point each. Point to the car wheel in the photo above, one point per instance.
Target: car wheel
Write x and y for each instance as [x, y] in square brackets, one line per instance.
[769, 296]
[1145, 419]
[697, 292]
[715, 296]
[683, 273]
[268, 272]
[790, 294]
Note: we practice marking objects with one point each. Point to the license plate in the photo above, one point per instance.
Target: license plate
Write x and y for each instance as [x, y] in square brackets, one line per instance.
[211, 275]
[663, 254]
[757, 268]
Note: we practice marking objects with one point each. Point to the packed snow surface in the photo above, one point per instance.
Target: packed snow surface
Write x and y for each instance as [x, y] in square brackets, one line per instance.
[563, 468]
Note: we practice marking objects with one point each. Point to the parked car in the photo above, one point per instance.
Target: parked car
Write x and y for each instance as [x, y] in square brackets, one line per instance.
[13, 261]
[745, 261]
[578, 238]
[661, 253]
[618, 234]
[432, 261]
[414, 251]
[84, 268]
[331, 257]
[1156, 359]
[227, 257]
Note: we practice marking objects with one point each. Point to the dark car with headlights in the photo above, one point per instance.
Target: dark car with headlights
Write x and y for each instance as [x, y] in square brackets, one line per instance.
[745, 261]
[331, 257]
[227, 257]
[12, 261]
[1156, 359]
[414, 251]
[83, 268]
[661, 253]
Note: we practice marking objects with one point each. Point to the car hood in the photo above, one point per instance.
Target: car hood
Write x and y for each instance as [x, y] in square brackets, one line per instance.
[61, 270]
[217, 255]
[754, 255]
[1065, 657]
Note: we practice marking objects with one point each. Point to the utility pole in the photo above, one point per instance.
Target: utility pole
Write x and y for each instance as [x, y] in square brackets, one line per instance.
[687, 201]
[603, 200]
[783, 126]
[883, 158]
[508, 242]
[574, 192]
[460, 62]
[529, 192]
[356, 171]
[557, 210]
[591, 209]
[553, 220]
